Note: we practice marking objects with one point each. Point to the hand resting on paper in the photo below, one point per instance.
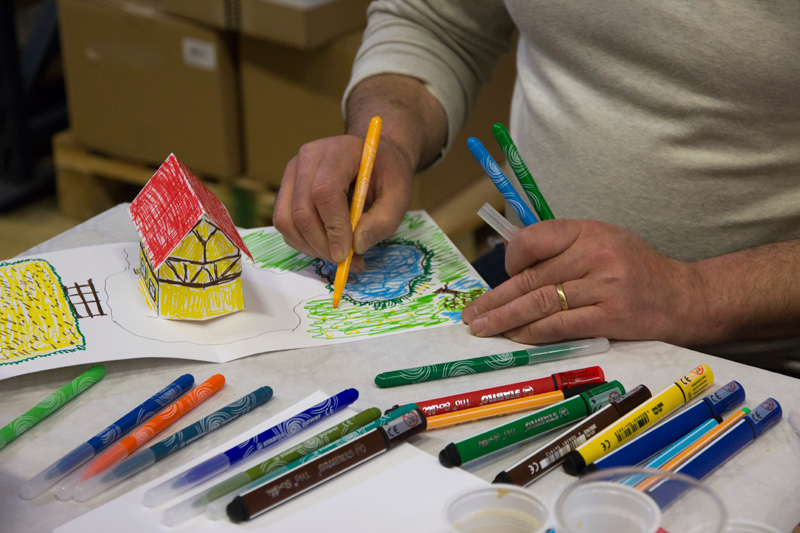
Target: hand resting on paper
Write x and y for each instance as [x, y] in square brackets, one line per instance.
[617, 286]
[312, 209]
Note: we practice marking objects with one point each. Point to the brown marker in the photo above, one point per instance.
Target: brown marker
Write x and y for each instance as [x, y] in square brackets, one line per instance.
[552, 454]
[325, 467]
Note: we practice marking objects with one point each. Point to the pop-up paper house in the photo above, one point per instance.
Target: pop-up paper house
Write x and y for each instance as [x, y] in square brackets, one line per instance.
[190, 252]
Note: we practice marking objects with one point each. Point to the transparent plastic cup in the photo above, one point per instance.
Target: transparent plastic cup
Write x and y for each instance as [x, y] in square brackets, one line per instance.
[496, 508]
[613, 501]
[747, 526]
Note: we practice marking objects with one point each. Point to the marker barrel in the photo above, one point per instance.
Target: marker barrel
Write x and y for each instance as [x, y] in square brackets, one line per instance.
[644, 416]
[538, 423]
[487, 363]
[639, 449]
[720, 450]
[326, 467]
[551, 454]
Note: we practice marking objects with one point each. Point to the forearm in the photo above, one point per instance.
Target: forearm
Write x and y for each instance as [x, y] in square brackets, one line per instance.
[413, 120]
[749, 295]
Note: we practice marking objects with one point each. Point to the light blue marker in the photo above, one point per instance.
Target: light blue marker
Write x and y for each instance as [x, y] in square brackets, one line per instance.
[667, 455]
[53, 473]
[500, 180]
[173, 443]
[222, 462]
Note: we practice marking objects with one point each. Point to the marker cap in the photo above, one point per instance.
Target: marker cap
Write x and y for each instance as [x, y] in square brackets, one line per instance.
[632, 399]
[767, 414]
[573, 378]
[725, 398]
[600, 395]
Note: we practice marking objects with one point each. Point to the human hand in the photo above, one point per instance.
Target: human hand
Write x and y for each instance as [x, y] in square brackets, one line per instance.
[615, 284]
[312, 210]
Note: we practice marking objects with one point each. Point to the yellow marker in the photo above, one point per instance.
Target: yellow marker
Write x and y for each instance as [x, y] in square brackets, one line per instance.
[359, 197]
[495, 409]
[681, 458]
[644, 416]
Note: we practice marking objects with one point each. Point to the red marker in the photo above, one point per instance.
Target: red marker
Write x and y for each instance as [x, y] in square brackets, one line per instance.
[468, 400]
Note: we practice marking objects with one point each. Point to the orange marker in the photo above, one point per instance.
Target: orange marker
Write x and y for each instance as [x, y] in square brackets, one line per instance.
[359, 198]
[495, 409]
[142, 435]
[676, 461]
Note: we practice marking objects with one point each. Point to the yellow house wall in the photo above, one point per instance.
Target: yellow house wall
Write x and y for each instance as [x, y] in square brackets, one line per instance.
[188, 303]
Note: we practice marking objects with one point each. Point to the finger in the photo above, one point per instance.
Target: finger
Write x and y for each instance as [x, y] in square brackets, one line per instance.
[304, 210]
[357, 264]
[392, 197]
[539, 242]
[282, 211]
[534, 306]
[580, 323]
[329, 193]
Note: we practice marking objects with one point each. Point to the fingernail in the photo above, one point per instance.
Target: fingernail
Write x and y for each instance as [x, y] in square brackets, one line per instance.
[356, 269]
[477, 325]
[365, 241]
[337, 252]
[467, 314]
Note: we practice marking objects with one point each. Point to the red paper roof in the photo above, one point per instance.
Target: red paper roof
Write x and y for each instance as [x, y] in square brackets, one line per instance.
[170, 205]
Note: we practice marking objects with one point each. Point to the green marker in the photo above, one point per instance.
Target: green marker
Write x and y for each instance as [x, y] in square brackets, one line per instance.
[523, 174]
[197, 504]
[486, 363]
[51, 404]
[540, 422]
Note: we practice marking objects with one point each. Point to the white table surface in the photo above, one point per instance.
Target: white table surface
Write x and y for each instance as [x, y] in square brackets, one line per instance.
[761, 483]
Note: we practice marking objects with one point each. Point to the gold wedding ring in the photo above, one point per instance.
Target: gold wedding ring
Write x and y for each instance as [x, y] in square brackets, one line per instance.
[562, 298]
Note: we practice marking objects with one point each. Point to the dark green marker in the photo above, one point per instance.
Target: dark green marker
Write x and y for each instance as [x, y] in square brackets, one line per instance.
[538, 423]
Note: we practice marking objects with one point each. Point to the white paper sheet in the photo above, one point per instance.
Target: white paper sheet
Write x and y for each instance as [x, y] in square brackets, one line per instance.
[417, 279]
[404, 489]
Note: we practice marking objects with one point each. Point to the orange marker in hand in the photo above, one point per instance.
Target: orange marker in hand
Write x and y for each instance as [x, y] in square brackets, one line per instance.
[357, 204]
[141, 436]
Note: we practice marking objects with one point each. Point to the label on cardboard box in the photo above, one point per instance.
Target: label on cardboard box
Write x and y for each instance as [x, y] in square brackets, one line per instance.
[199, 53]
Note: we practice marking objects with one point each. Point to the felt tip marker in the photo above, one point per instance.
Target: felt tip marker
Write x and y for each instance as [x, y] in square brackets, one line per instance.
[326, 467]
[493, 410]
[197, 504]
[551, 454]
[644, 416]
[125, 447]
[222, 462]
[720, 450]
[487, 363]
[673, 429]
[177, 441]
[512, 391]
[52, 474]
[218, 509]
[534, 425]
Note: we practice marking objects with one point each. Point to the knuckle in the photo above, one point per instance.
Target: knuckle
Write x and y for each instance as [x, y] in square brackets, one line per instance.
[529, 280]
[304, 219]
[539, 303]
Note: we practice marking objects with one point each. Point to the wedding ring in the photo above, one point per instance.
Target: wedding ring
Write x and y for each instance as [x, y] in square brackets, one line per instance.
[562, 298]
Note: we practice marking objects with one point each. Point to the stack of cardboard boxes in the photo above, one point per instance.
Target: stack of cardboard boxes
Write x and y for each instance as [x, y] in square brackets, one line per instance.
[234, 88]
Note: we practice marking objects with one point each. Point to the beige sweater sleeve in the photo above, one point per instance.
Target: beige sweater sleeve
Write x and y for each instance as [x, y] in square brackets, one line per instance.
[451, 46]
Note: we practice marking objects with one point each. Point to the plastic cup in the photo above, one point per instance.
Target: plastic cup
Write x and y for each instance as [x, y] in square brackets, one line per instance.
[602, 502]
[747, 526]
[491, 509]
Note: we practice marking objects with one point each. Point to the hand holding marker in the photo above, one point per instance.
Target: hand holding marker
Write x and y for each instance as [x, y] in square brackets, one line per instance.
[52, 474]
[251, 447]
[173, 443]
[141, 436]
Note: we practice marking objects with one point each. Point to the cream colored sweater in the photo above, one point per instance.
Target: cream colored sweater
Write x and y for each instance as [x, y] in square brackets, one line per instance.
[677, 120]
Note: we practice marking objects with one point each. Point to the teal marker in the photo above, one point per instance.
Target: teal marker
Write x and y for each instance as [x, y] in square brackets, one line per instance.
[540, 422]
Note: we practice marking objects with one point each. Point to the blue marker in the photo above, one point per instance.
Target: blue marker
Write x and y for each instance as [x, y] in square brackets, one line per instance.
[50, 475]
[719, 450]
[667, 455]
[173, 443]
[224, 461]
[500, 180]
[673, 429]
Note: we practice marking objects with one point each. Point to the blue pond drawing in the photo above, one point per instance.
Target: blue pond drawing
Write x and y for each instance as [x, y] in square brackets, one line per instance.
[392, 271]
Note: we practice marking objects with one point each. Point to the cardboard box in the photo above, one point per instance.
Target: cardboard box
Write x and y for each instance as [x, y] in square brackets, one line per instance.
[291, 97]
[301, 23]
[142, 85]
[221, 14]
